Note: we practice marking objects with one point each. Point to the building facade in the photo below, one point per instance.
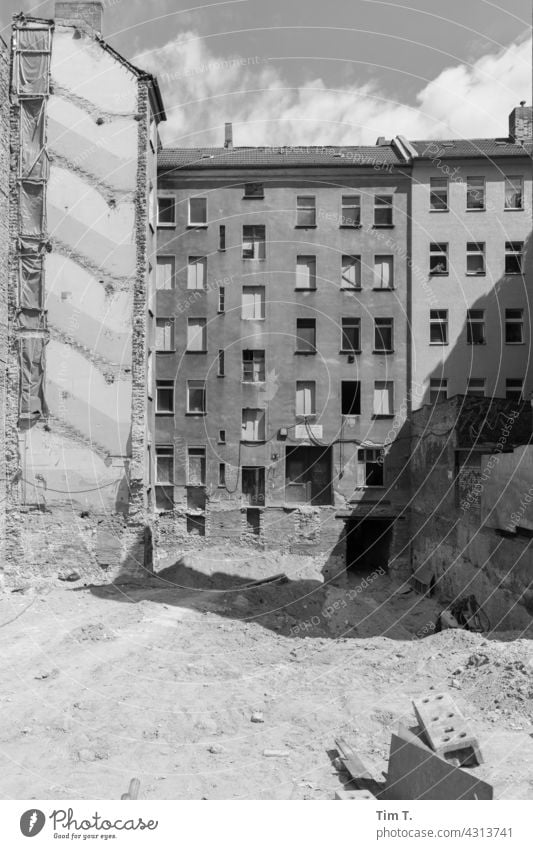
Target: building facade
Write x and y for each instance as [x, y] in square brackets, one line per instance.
[82, 178]
[472, 258]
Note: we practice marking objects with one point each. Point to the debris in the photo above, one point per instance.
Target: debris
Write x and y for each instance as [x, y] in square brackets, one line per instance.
[275, 753]
[446, 730]
[71, 577]
[133, 790]
[257, 716]
[216, 749]
[415, 772]
[354, 795]
[355, 767]
[281, 578]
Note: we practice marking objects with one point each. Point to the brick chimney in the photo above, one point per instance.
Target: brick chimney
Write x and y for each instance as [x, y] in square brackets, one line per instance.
[521, 123]
[88, 13]
[228, 136]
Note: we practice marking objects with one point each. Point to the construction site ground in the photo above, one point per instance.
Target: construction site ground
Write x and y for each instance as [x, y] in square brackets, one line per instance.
[206, 688]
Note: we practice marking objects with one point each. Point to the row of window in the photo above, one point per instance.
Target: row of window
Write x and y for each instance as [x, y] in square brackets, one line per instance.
[475, 193]
[476, 332]
[475, 258]
[306, 211]
[305, 272]
[438, 388]
[305, 333]
[351, 265]
[305, 403]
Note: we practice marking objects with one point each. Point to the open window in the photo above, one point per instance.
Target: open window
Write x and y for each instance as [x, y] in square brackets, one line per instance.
[253, 485]
[308, 475]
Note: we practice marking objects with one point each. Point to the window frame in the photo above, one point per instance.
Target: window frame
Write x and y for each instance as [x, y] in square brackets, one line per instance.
[442, 388]
[371, 457]
[201, 384]
[382, 206]
[303, 209]
[165, 487]
[469, 191]
[255, 290]
[195, 261]
[202, 454]
[311, 260]
[510, 393]
[440, 321]
[389, 387]
[308, 324]
[167, 224]
[348, 223]
[436, 251]
[258, 244]
[515, 255]
[261, 424]
[171, 323]
[303, 385]
[390, 326]
[355, 323]
[514, 321]
[358, 265]
[476, 325]
[261, 361]
[203, 324]
[435, 193]
[165, 385]
[357, 399]
[479, 251]
[509, 180]
[197, 225]
[259, 194]
[477, 394]
[159, 263]
[390, 287]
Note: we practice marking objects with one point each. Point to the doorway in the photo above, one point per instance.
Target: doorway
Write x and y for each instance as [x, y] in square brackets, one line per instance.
[368, 544]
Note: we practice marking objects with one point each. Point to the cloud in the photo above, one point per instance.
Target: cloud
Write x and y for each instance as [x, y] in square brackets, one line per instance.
[202, 90]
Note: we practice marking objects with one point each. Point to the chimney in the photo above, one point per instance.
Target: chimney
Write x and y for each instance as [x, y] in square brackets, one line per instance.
[89, 13]
[228, 136]
[521, 123]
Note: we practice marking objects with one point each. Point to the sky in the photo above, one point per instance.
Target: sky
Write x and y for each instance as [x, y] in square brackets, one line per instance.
[338, 72]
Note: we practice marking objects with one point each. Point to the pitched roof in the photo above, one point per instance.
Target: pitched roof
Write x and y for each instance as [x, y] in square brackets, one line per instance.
[461, 148]
[278, 157]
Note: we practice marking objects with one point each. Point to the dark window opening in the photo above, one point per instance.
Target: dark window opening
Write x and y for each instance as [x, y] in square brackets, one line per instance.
[306, 335]
[222, 238]
[253, 521]
[351, 398]
[254, 190]
[371, 466]
[221, 299]
[196, 526]
[222, 436]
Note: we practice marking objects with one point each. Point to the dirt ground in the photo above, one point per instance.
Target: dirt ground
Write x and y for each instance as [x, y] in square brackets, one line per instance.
[206, 688]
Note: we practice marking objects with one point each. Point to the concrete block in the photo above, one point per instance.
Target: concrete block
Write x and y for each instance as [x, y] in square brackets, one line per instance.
[445, 728]
[353, 795]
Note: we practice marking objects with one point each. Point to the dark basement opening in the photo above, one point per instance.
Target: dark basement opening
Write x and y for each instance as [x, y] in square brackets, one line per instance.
[368, 545]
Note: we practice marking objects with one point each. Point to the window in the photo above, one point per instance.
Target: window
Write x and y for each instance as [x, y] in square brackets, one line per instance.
[475, 257]
[383, 271]
[253, 366]
[306, 335]
[164, 477]
[222, 474]
[253, 425]
[164, 396]
[438, 327]
[438, 194]
[222, 237]
[351, 272]
[305, 211]
[222, 299]
[164, 334]
[514, 257]
[253, 241]
[476, 386]
[514, 193]
[196, 400]
[475, 193]
[253, 484]
[351, 211]
[370, 461]
[196, 334]
[305, 397]
[164, 278]
[514, 388]
[253, 303]
[475, 327]
[221, 363]
[196, 525]
[166, 212]
[254, 190]
[514, 326]
[222, 437]
[438, 390]
[196, 466]
[306, 272]
[196, 272]
[383, 398]
[351, 334]
[383, 335]
[350, 398]
[383, 211]
[198, 212]
[438, 258]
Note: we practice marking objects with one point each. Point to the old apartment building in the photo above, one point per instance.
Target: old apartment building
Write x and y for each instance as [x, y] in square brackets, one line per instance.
[282, 345]
[82, 177]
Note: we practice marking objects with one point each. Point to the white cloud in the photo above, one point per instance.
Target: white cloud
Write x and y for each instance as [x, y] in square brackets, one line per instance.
[202, 90]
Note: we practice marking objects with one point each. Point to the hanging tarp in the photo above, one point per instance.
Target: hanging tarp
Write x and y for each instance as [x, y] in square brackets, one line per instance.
[31, 319]
[31, 274]
[31, 208]
[32, 403]
[33, 39]
[33, 73]
[33, 156]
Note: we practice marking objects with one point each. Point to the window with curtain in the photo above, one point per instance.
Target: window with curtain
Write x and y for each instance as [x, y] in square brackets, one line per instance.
[351, 272]
[165, 272]
[196, 272]
[253, 303]
[383, 398]
[253, 425]
[196, 334]
[383, 272]
[305, 397]
[306, 272]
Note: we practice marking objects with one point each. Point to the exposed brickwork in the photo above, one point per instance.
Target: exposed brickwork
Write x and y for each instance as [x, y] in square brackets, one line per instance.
[4, 254]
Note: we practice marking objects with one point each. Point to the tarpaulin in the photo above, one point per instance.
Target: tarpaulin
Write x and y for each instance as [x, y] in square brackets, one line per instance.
[33, 71]
[31, 274]
[33, 39]
[31, 319]
[33, 156]
[32, 403]
[31, 208]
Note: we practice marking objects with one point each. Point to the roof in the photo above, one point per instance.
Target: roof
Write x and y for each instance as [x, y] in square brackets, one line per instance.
[461, 148]
[278, 157]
